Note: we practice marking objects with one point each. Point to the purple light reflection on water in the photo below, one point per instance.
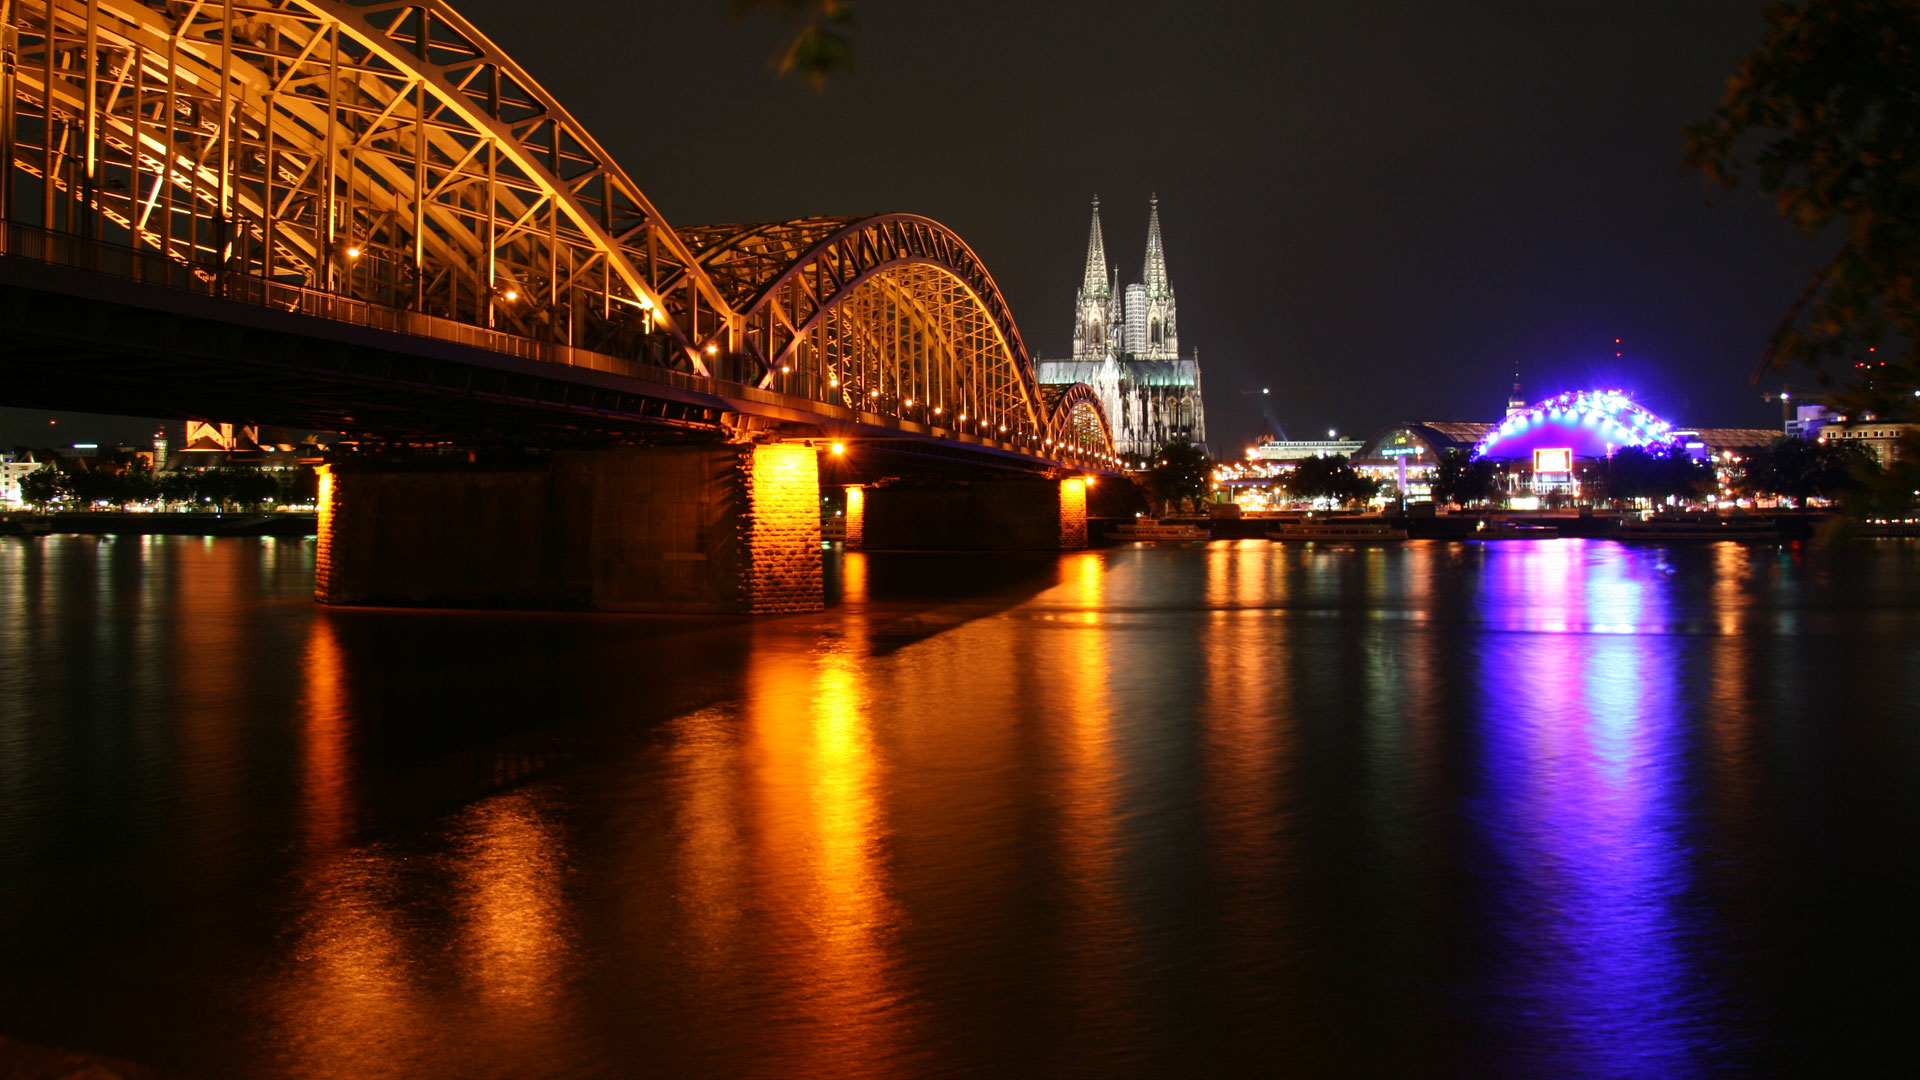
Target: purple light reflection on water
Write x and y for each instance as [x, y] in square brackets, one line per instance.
[1582, 817]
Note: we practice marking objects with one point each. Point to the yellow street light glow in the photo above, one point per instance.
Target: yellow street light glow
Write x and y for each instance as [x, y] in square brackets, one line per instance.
[839, 448]
[937, 410]
[908, 403]
[512, 294]
[353, 253]
[711, 349]
[785, 370]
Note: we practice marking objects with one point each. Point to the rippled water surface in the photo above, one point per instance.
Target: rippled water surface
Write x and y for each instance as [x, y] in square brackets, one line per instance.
[1552, 808]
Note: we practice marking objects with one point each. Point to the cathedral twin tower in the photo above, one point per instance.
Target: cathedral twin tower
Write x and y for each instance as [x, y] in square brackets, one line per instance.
[1126, 345]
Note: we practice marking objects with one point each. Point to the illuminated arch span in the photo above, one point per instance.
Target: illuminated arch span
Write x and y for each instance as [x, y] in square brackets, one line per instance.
[388, 151]
[1078, 418]
[1591, 419]
[892, 314]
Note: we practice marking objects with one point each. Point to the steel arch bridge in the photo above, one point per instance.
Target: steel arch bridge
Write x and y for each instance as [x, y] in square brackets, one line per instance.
[305, 153]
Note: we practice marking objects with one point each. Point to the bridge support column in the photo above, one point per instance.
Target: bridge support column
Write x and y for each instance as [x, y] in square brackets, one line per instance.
[721, 530]
[991, 515]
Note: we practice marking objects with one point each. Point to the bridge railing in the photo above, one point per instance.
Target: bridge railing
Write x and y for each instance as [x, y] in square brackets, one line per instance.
[153, 268]
[54, 248]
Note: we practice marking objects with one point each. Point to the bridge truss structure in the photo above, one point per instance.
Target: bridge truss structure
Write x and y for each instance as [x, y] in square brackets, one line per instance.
[311, 154]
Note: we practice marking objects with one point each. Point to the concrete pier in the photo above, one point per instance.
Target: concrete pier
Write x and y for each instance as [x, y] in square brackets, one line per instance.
[698, 529]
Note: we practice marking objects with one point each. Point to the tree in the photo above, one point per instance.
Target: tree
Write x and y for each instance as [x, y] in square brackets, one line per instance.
[1460, 479]
[1637, 473]
[1826, 113]
[1330, 478]
[1798, 469]
[44, 485]
[818, 45]
[1180, 472]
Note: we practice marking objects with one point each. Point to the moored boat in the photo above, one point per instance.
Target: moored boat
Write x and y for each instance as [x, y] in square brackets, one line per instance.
[1159, 532]
[1511, 530]
[1337, 528]
[1888, 527]
[1696, 528]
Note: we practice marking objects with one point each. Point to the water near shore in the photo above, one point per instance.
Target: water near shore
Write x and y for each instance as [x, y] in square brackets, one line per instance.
[1559, 808]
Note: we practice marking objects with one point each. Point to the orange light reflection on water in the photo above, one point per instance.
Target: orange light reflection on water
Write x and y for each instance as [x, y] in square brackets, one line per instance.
[819, 844]
[326, 772]
[1099, 942]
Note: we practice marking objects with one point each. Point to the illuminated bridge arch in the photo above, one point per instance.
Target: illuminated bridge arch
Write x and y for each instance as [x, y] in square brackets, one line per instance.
[1078, 419]
[382, 161]
[891, 315]
[386, 151]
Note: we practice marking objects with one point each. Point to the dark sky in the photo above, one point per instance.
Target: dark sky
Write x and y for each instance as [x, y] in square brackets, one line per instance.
[1400, 200]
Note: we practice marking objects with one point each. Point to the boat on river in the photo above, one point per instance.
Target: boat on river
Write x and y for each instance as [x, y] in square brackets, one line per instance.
[1159, 532]
[1755, 530]
[1338, 528]
[1885, 527]
[1513, 530]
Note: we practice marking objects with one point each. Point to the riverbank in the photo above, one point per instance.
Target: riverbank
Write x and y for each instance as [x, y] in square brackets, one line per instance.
[120, 523]
[1793, 524]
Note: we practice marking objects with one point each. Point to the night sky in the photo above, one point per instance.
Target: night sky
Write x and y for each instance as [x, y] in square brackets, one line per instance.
[1397, 201]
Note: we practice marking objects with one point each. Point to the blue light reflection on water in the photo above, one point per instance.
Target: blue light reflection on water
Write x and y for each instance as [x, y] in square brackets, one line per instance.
[1582, 814]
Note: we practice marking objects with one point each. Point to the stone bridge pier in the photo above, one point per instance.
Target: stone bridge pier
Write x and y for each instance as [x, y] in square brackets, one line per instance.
[984, 515]
[715, 529]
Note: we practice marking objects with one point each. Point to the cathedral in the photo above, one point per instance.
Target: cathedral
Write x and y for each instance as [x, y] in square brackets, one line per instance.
[1126, 345]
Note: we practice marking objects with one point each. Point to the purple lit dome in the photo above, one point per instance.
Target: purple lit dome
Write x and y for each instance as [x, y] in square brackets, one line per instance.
[1590, 423]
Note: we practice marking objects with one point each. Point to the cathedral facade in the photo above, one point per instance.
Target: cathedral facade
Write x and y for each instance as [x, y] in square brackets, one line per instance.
[1126, 345]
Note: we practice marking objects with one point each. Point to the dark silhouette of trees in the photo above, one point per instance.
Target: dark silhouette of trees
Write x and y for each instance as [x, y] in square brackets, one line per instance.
[44, 486]
[1800, 469]
[1636, 473]
[1181, 473]
[1461, 480]
[818, 44]
[1330, 478]
[1825, 114]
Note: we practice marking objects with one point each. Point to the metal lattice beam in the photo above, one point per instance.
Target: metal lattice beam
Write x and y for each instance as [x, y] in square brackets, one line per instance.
[386, 152]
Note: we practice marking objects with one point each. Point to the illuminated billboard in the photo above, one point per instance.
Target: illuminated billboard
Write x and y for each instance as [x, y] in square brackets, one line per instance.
[1558, 460]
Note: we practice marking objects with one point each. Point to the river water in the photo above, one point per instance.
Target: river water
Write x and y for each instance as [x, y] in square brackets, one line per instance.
[1550, 808]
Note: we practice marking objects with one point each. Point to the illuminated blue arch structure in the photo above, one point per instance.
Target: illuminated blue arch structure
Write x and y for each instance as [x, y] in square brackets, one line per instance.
[1590, 423]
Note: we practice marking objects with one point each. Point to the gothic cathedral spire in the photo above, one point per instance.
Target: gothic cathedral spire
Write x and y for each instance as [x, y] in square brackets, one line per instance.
[1095, 283]
[1093, 312]
[1156, 272]
[1152, 333]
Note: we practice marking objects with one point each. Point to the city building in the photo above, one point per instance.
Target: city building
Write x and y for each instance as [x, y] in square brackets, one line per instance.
[13, 469]
[1540, 448]
[1290, 450]
[1126, 345]
[1406, 453]
[1882, 437]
